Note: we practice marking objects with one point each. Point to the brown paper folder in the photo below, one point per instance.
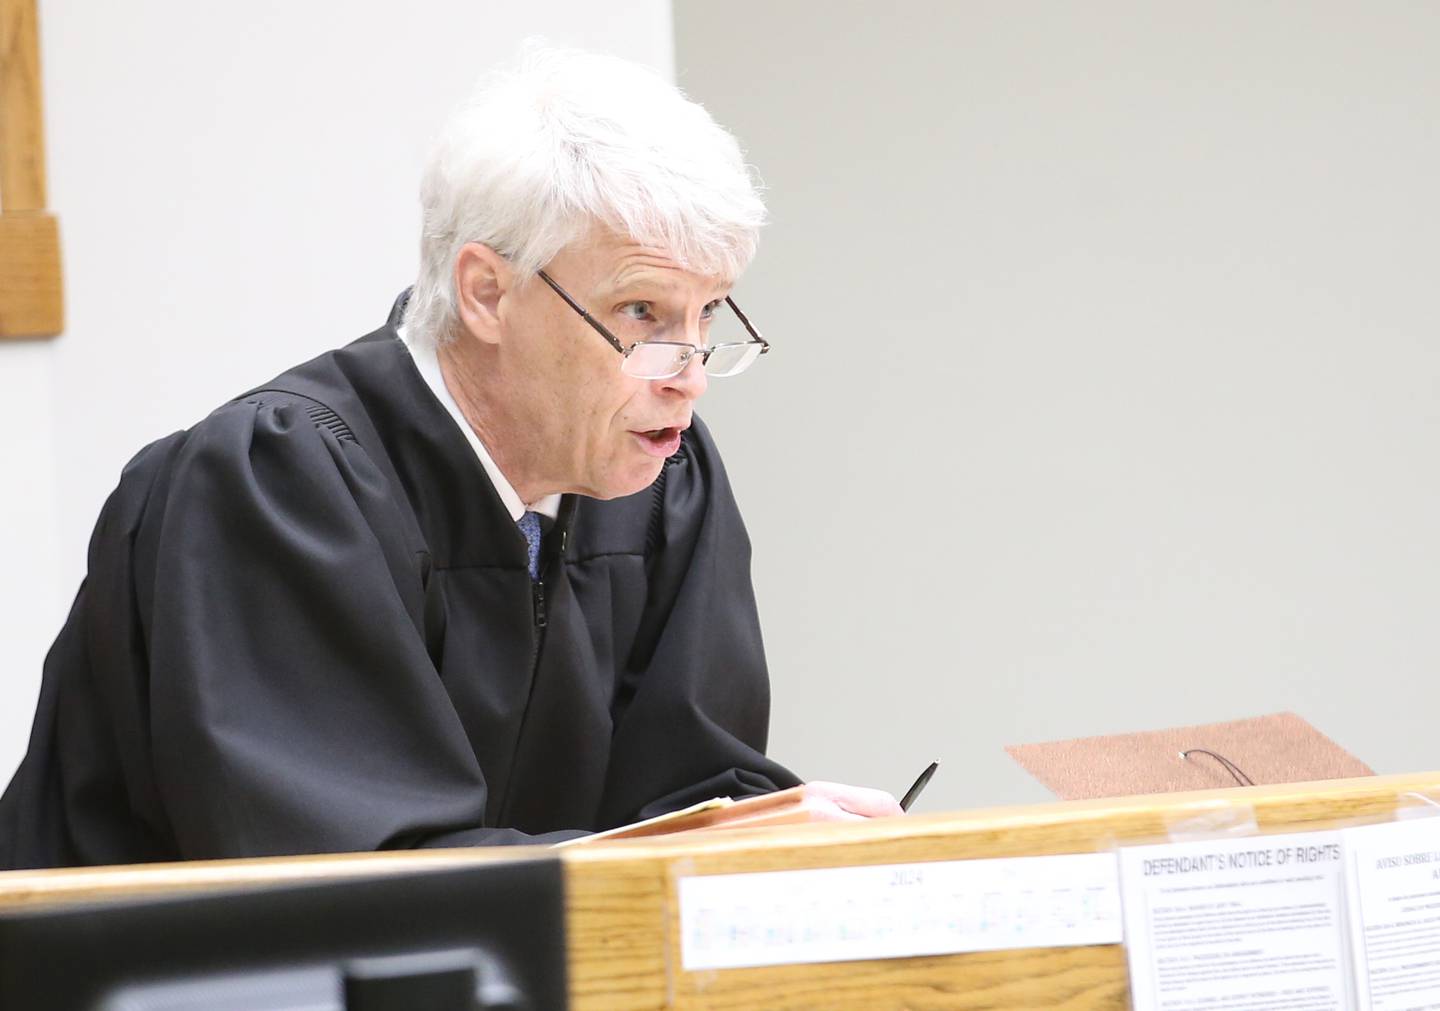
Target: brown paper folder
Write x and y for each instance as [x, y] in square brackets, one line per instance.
[1280, 748]
[783, 807]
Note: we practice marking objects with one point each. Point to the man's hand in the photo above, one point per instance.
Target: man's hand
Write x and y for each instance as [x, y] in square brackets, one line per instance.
[838, 802]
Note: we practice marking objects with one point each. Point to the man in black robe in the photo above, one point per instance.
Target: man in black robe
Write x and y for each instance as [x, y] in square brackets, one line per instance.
[475, 578]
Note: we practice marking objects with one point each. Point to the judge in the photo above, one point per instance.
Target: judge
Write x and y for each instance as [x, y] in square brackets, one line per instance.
[475, 578]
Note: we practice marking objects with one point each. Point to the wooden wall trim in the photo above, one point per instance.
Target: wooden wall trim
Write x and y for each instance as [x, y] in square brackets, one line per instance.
[31, 295]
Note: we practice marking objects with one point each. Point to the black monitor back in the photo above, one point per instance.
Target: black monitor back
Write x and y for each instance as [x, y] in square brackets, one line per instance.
[488, 936]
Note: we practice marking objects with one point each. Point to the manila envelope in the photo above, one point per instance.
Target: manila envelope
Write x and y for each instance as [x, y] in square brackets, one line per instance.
[1280, 748]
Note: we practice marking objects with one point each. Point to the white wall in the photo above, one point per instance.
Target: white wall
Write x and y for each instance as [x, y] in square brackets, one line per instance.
[1106, 384]
[236, 186]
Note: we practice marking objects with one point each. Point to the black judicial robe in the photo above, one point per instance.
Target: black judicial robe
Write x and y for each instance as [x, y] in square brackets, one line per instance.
[308, 626]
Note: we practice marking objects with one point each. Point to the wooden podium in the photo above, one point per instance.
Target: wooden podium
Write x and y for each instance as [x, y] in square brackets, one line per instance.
[622, 909]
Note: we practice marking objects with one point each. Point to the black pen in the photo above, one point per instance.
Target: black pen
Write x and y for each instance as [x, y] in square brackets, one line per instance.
[914, 791]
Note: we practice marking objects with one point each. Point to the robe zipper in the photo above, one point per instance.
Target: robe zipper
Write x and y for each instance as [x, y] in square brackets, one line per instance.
[537, 594]
[537, 600]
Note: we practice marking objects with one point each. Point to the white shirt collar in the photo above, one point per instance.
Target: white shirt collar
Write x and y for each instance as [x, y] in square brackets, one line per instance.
[428, 364]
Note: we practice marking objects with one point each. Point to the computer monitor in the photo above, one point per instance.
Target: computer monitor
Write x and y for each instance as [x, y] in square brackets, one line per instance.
[487, 936]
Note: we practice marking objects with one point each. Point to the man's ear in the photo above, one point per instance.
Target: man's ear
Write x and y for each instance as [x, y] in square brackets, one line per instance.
[482, 278]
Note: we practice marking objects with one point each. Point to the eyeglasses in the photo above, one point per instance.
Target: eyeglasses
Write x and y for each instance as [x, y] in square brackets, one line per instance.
[666, 359]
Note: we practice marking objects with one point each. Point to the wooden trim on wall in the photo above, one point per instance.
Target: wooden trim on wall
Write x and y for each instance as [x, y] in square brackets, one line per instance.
[31, 295]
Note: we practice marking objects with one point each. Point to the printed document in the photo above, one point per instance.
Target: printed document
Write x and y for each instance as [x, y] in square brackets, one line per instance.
[1252, 924]
[1394, 887]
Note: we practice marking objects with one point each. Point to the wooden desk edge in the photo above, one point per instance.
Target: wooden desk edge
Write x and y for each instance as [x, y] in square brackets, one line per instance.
[622, 914]
[1287, 804]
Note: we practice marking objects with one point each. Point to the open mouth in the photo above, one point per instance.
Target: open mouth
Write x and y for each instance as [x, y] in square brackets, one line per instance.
[660, 441]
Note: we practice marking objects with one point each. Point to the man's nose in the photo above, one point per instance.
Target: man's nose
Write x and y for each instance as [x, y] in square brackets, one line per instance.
[691, 382]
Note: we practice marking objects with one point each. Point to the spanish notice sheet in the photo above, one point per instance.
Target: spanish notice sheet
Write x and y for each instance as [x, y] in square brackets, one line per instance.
[1394, 882]
[1230, 924]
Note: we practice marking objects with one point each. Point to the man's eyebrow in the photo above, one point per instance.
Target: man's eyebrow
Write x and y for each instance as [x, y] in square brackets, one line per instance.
[659, 283]
[633, 283]
[642, 275]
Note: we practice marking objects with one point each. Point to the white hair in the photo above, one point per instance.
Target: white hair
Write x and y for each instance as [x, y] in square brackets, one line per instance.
[562, 141]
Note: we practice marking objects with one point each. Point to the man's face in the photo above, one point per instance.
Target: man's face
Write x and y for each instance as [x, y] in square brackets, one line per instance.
[589, 428]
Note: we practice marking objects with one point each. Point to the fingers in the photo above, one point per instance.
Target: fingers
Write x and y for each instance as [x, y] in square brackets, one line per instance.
[858, 800]
[825, 809]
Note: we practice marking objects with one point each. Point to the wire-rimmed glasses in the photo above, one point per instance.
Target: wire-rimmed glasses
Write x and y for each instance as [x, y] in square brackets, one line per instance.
[667, 359]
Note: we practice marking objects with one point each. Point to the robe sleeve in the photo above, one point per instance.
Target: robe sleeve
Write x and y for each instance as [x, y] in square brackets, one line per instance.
[294, 707]
[695, 698]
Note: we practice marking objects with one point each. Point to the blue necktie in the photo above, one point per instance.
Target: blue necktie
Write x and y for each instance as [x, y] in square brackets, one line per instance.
[530, 526]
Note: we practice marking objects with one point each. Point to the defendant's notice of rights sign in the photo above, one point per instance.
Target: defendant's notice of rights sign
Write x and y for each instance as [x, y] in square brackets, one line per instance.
[1223, 925]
